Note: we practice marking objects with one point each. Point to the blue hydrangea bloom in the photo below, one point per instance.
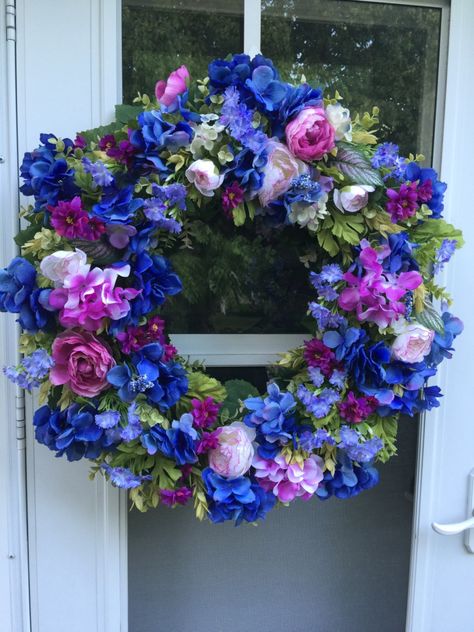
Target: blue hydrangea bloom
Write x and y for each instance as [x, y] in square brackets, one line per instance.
[270, 415]
[117, 205]
[72, 432]
[348, 480]
[156, 279]
[401, 257]
[357, 448]
[175, 443]
[45, 177]
[247, 169]
[155, 134]
[239, 499]
[443, 343]
[296, 98]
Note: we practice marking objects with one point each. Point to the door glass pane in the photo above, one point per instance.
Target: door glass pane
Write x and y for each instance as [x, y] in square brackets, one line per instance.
[372, 53]
[161, 35]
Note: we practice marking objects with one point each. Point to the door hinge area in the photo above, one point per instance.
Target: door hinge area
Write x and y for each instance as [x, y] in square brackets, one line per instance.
[10, 21]
[20, 418]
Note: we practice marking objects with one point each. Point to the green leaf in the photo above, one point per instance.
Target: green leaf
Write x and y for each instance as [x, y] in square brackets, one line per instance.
[353, 164]
[430, 318]
[237, 391]
[348, 227]
[125, 113]
[202, 385]
[327, 241]
[437, 229]
[26, 234]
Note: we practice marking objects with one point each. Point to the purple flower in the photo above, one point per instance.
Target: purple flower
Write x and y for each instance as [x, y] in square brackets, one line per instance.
[386, 156]
[99, 172]
[119, 234]
[133, 429]
[31, 370]
[238, 119]
[232, 196]
[315, 375]
[444, 254]
[172, 497]
[313, 440]
[403, 203]
[204, 412]
[331, 273]
[338, 378]
[357, 448]
[317, 405]
[123, 477]
[109, 419]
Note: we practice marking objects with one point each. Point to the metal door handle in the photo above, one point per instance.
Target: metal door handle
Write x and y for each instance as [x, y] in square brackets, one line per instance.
[466, 525]
[454, 528]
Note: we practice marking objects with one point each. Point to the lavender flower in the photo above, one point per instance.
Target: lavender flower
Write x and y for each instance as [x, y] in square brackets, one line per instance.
[310, 441]
[99, 172]
[315, 375]
[331, 273]
[317, 405]
[338, 378]
[357, 448]
[444, 254]
[108, 419]
[134, 427]
[31, 370]
[123, 477]
[386, 156]
[238, 119]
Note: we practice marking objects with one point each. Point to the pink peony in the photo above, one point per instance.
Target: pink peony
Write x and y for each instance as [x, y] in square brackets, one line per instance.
[167, 91]
[81, 361]
[310, 135]
[280, 170]
[88, 297]
[288, 481]
[234, 454]
[412, 343]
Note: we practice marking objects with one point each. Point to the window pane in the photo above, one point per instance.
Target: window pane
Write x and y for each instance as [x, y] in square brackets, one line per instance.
[373, 54]
[160, 35]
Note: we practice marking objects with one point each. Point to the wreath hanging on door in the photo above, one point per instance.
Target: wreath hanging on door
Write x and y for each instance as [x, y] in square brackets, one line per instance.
[123, 214]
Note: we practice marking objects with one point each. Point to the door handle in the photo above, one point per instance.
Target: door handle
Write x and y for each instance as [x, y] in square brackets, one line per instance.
[453, 528]
[466, 526]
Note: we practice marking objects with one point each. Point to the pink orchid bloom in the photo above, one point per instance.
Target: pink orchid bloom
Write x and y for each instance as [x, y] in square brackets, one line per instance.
[88, 297]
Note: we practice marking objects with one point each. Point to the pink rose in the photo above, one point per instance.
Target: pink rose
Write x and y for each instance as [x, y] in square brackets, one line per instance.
[81, 361]
[167, 91]
[280, 170]
[204, 175]
[412, 343]
[310, 135]
[234, 454]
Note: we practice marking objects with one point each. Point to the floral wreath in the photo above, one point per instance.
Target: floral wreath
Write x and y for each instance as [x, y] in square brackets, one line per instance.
[244, 148]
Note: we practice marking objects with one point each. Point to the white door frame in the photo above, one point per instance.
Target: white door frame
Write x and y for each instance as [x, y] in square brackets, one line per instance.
[110, 571]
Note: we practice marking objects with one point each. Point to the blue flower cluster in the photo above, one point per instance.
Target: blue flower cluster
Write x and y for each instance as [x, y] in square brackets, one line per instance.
[163, 383]
[348, 480]
[19, 294]
[31, 371]
[273, 419]
[239, 499]
[73, 432]
[46, 177]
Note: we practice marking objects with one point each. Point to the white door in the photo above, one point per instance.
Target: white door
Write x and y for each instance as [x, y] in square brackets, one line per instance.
[77, 544]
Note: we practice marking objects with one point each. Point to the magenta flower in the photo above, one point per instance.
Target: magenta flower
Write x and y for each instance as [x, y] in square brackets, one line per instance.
[208, 441]
[167, 92]
[73, 222]
[171, 497]
[232, 196]
[123, 151]
[288, 481]
[403, 203]
[316, 354]
[310, 135]
[88, 297]
[134, 338]
[376, 295]
[356, 409]
[81, 362]
[69, 218]
[425, 191]
[204, 412]
[80, 142]
[169, 352]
